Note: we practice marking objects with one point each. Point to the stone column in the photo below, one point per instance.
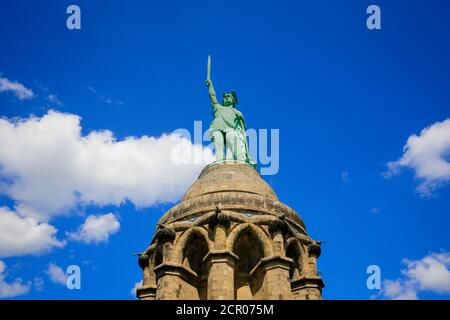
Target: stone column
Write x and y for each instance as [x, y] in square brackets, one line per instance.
[148, 289]
[278, 229]
[220, 261]
[219, 223]
[314, 251]
[309, 286]
[277, 267]
[168, 281]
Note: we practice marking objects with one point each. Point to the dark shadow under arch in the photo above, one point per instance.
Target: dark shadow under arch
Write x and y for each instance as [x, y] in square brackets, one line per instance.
[193, 254]
[293, 251]
[249, 249]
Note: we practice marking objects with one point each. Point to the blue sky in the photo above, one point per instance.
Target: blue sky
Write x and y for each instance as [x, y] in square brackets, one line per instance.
[344, 98]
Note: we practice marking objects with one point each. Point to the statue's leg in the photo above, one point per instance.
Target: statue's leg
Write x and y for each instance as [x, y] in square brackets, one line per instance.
[219, 144]
[241, 153]
[232, 142]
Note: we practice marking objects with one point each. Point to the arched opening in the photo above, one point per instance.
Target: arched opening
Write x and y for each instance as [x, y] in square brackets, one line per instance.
[249, 249]
[293, 251]
[194, 252]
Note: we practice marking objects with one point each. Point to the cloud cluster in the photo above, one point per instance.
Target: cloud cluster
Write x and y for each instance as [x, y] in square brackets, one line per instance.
[22, 236]
[432, 273]
[11, 289]
[96, 229]
[428, 155]
[16, 88]
[49, 168]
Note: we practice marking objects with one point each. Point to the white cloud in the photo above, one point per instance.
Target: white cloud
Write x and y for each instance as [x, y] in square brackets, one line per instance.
[399, 290]
[56, 274]
[12, 289]
[54, 99]
[22, 236]
[432, 274]
[96, 229]
[136, 285]
[427, 154]
[48, 167]
[18, 89]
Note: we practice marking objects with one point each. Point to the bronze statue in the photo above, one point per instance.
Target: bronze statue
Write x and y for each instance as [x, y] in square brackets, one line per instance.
[227, 130]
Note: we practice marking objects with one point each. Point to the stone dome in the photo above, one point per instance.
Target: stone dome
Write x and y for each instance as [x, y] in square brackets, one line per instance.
[228, 177]
[235, 186]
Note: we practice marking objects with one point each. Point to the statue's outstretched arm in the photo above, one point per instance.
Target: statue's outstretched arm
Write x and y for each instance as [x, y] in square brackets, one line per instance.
[212, 92]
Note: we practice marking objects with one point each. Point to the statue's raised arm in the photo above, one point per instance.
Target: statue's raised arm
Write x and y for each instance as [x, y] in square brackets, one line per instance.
[212, 92]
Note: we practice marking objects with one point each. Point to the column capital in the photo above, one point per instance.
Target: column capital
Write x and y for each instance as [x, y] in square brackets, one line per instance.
[175, 269]
[165, 234]
[143, 261]
[278, 225]
[219, 256]
[314, 250]
[275, 261]
[219, 218]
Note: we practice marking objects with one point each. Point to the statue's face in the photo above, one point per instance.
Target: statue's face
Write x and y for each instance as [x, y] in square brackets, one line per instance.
[228, 100]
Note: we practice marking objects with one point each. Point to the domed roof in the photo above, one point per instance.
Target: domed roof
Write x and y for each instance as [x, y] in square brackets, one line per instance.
[235, 186]
[237, 177]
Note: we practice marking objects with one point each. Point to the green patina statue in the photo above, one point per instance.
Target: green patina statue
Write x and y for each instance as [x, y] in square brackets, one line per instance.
[227, 130]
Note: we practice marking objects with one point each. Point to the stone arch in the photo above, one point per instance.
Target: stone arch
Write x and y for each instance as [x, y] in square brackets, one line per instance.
[190, 251]
[184, 240]
[251, 245]
[295, 251]
[194, 253]
[257, 232]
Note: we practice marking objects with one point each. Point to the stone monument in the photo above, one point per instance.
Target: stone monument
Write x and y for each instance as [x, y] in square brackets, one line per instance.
[230, 237]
